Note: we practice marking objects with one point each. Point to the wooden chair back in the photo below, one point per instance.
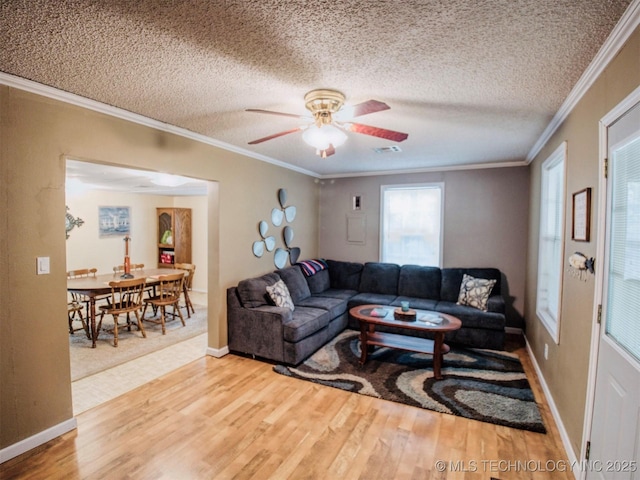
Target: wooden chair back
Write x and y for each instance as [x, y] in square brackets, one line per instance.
[134, 267]
[169, 290]
[126, 296]
[81, 273]
[191, 269]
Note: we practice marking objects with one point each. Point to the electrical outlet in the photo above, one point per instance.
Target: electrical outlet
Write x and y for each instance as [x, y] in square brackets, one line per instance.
[546, 351]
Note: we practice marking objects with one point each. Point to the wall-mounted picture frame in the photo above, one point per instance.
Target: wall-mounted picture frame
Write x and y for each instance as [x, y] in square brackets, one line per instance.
[114, 221]
[581, 210]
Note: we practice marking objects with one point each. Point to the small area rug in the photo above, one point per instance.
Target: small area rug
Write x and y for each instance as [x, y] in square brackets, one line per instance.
[485, 385]
[87, 361]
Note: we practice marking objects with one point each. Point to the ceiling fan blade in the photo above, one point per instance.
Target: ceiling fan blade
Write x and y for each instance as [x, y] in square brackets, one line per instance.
[326, 152]
[376, 132]
[275, 135]
[364, 108]
[281, 114]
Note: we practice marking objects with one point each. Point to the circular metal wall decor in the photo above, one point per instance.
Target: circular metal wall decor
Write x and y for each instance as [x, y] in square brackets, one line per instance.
[290, 213]
[278, 216]
[294, 254]
[263, 228]
[282, 197]
[258, 248]
[287, 234]
[280, 257]
[270, 243]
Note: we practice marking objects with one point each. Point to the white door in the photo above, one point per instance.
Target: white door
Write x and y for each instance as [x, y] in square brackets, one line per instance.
[615, 433]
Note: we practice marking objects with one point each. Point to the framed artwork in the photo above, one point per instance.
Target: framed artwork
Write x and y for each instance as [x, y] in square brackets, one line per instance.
[581, 215]
[114, 221]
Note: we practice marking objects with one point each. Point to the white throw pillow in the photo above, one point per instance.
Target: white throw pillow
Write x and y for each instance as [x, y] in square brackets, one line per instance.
[280, 295]
[475, 292]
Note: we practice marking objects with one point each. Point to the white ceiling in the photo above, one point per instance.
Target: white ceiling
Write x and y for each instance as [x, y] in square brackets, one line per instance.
[84, 176]
[471, 82]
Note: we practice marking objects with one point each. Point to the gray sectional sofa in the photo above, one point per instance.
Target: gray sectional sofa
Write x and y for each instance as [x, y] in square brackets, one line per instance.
[258, 327]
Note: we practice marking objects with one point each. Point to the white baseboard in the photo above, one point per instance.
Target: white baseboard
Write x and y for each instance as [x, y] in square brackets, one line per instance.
[218, 352]
[573, 459]
[36, 440]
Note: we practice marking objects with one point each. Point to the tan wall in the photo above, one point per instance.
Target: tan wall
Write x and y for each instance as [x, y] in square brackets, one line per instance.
[36, 134]
[566, 369]
[485, 222]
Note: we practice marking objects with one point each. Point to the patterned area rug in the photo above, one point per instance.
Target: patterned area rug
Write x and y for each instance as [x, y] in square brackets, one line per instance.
[484, 385]
[87, 361]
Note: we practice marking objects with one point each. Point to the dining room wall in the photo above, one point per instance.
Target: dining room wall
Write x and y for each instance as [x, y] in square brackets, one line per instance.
[87, 249]
[37, 134]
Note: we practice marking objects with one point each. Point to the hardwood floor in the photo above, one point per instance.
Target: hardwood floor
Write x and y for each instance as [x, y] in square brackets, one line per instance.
[235, 418]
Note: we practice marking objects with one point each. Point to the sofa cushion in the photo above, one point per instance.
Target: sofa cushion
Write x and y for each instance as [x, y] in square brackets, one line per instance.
[305, 321]
[472, 317]
[419, 282]
[319, 282]
[296, 283]
[474, 292]
[253, 291]
[344, 275]
[279, 293]
[371, 298]
[418, 303]
[335, 306]
[452, 279]
[380, 277]
[337, 293]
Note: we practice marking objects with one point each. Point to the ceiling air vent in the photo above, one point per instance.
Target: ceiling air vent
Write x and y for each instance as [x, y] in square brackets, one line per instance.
[392, 149]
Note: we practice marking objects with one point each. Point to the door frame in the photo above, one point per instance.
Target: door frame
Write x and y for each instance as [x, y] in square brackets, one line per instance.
[603, 146]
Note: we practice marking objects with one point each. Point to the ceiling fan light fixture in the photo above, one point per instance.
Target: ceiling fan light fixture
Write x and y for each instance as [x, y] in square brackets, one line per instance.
[321, 137]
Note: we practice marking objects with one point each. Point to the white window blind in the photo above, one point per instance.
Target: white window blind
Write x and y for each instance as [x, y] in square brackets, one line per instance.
[623, 291]
[411, 224]
[551, 241]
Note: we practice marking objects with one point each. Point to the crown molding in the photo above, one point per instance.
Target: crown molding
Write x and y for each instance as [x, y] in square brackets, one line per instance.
[616, 40]
[73, 99]
[475, 166]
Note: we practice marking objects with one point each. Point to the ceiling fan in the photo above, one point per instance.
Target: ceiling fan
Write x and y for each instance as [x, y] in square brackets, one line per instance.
[329, 119]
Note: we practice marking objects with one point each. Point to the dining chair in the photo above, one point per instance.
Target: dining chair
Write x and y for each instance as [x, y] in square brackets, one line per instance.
[168, 293]
[75, 307]
[188, 285]
[125, 298]
[134, 267]
[74, 312]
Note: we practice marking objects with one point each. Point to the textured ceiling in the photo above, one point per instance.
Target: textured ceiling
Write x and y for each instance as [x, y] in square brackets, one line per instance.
[470, 81]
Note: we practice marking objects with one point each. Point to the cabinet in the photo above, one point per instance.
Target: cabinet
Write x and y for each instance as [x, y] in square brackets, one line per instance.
[174, 236]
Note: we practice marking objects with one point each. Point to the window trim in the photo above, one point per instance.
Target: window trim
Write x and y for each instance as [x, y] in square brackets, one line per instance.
[551, 320]
[399, 186]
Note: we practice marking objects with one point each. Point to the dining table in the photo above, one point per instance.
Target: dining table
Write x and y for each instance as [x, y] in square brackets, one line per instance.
[95, 287]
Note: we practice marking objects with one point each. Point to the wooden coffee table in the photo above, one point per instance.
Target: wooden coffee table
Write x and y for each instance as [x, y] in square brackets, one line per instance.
[369, 338]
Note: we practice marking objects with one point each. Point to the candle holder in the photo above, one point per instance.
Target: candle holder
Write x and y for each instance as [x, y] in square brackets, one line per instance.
[127, 261]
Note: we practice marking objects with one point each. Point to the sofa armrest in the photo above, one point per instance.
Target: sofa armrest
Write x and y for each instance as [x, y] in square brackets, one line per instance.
[257, 331]
[495, 304]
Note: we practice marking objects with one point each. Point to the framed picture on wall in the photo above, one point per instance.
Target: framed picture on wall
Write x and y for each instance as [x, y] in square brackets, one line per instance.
[581, 215]
[114, 221]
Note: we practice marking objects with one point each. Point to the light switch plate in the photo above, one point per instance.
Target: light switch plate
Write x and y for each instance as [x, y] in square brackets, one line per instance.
[43, 266]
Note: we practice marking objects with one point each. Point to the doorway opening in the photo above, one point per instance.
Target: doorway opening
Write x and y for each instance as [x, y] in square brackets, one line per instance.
[101, 373]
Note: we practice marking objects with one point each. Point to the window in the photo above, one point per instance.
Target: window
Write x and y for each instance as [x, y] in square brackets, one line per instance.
[551, 241]
[411, 220]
